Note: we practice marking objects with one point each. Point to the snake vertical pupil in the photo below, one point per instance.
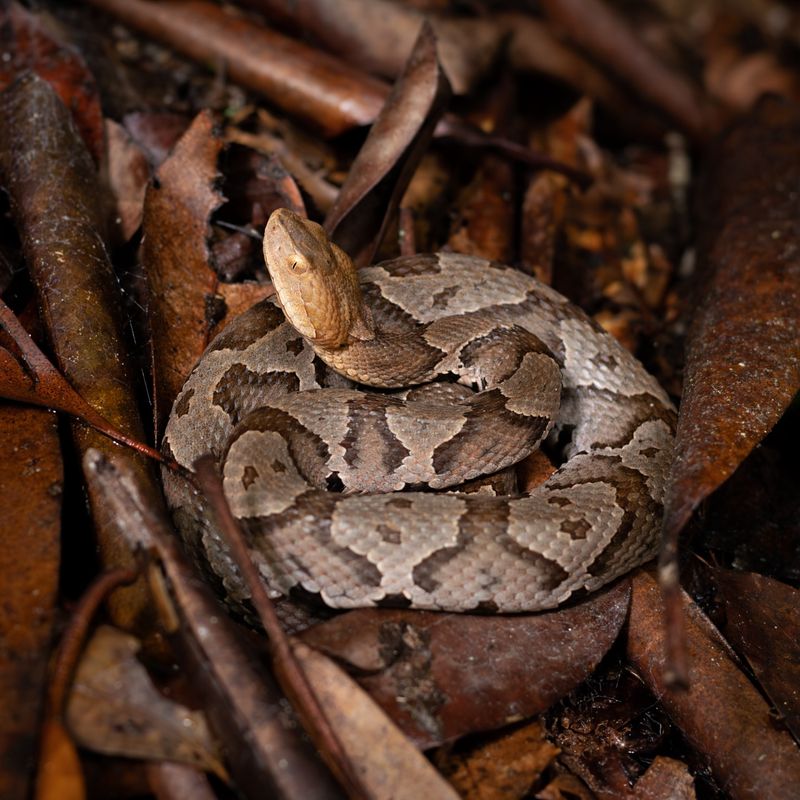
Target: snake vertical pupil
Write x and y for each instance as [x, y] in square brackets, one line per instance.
[299, 265]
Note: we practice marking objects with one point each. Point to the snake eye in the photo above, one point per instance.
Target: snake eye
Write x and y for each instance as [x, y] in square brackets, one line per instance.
[298, 264]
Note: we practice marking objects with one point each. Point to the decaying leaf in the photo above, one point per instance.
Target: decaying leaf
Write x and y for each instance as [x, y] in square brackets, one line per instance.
[383, 168]
[665, 779]
[30, 523]
[440, 676]
[721, 714]
[115, 708]
[27, 43]
[388, 765]
[484, 225]
[542, 214]
[128, 174]
[743, 350]
[175, 254]
[507, 766]
[763, 625]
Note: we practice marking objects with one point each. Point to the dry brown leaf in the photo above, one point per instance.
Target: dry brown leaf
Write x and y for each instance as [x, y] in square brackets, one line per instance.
[389, 766]
[440, 676]
[503, 768]
[721, 714]
[128, 174]
[397, 140]
[114, 708]
[484, 222]
[175, 254]
[665, 779]
[238, 297]
[542, 214]
[30, 523]
[743, 349]
[763, 625]
[27, 44]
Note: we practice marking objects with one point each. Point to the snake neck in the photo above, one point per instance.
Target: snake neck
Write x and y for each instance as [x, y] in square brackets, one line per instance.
[374, 361]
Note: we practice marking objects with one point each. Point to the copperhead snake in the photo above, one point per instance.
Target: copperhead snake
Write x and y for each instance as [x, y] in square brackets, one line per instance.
[305, 467]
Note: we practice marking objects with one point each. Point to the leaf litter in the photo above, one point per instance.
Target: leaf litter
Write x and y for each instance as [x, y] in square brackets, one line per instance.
[622, 249]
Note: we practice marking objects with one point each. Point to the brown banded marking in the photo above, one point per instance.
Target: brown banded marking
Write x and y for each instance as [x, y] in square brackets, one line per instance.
[238, 381]
[369, 442]
[182, 404]
[262, 319]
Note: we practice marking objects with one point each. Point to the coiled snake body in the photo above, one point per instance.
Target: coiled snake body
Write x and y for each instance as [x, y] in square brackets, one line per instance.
[541, 367]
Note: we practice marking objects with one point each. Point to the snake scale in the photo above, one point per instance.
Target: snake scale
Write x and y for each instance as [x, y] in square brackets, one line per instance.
[307, 469]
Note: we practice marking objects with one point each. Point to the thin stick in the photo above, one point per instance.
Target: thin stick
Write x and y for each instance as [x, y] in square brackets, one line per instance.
[408, 244]
[208, 479]
[74, 636]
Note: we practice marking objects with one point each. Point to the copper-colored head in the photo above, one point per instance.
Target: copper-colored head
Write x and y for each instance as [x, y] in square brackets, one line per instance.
[314, 279]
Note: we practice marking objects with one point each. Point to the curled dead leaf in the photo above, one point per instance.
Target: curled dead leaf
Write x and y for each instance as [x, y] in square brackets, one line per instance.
[114, 708]
[440, 676]
[397, 140]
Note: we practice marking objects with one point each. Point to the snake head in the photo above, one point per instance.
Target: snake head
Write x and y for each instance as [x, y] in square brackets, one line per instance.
[316, 282]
